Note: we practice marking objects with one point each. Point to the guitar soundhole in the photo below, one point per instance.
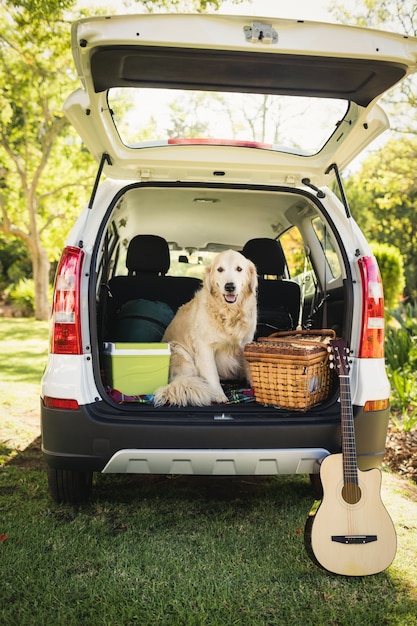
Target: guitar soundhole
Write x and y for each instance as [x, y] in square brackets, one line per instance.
[351, 493]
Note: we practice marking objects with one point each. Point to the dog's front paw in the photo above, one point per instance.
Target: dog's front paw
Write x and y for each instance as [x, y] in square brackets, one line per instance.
[220, 399]
[159, 396]
[184, 391]
[218, 396]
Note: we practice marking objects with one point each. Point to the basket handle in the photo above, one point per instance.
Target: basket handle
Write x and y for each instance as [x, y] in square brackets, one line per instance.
[294, 333]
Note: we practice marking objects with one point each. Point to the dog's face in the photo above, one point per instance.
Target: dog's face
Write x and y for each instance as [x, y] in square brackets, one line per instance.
[231, 276]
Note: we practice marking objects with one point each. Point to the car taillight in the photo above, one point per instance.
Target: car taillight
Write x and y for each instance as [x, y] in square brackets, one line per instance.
[373, 323]
[66, 323]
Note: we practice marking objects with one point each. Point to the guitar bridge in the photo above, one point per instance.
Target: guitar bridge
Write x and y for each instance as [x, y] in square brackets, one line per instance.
[354, 539]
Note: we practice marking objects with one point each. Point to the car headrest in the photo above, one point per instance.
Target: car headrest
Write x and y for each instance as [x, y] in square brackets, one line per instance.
[267, 255]
[148, 254]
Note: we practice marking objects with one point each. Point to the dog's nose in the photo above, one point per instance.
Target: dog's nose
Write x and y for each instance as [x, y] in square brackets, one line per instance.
[229, 287]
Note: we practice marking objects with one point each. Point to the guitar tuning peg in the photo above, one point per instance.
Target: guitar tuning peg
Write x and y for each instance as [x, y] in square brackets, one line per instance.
[331, 365]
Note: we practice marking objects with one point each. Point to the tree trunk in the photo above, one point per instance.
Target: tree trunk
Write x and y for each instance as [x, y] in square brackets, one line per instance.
[41, 268]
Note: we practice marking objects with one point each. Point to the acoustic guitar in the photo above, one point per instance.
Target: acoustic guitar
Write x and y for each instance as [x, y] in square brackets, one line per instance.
[350, 531]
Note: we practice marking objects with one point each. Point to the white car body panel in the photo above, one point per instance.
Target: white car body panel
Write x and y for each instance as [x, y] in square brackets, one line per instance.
[70, 376]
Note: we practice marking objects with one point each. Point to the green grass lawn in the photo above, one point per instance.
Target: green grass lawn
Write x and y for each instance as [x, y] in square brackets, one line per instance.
[174, 551]
[23, 354]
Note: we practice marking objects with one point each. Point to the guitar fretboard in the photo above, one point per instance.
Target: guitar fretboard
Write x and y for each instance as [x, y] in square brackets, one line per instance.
[350, 463]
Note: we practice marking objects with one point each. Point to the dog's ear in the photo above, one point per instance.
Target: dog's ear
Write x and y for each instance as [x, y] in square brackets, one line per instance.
[253, 277]
[207, 278]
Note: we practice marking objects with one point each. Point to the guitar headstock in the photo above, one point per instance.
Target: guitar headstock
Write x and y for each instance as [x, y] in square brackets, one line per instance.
[340, 356]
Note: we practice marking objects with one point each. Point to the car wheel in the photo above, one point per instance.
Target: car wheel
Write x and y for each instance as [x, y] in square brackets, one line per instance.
[316, 483]
[69, 486]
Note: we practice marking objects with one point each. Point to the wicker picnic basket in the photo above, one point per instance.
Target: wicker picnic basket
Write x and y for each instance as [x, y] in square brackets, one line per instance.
[291, 369]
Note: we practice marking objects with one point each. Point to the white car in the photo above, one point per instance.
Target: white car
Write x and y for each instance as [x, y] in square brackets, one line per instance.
[215, 132]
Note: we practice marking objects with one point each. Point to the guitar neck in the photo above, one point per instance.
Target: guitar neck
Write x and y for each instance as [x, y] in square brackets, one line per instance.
[350, 462]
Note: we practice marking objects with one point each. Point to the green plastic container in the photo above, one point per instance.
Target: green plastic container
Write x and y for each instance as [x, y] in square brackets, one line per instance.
[136, 369]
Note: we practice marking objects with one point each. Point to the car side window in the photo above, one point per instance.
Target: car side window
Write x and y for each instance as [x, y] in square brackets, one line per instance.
[329, 251]
[299, 265]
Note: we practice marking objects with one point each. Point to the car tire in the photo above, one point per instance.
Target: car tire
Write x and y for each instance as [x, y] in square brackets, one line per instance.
[317, 485]
[69, 486]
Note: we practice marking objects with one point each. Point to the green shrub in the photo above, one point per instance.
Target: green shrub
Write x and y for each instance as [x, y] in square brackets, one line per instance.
[14, 262]
[404, 398]
[401, 359]
[391, 266]
[22, 297]
[399, 346]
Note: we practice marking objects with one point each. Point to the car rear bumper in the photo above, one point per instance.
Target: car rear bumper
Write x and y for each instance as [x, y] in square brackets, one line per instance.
[88, 439]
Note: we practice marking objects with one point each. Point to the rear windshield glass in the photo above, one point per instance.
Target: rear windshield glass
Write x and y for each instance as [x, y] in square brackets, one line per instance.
[291, 124]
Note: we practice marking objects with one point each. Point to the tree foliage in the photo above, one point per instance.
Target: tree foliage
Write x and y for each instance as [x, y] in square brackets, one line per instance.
[398, 16]
[391, 265]
[393, 15]
[383, 194]
[14, 261]
[40, 157]
[383, 200]
[45, 175]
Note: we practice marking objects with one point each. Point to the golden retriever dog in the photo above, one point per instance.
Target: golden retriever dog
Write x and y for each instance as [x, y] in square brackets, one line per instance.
[207, 334]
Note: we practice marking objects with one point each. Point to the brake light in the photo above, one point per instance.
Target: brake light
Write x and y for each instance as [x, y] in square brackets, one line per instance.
[66, 323]
[373, 323]
[203, 141]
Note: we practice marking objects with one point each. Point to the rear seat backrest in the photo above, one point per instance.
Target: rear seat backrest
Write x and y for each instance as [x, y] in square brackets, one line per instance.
[148, 261]
[278, 298]
[148, 254]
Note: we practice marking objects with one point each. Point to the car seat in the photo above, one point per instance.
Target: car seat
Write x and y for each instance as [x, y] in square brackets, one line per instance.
[278, 298]
[147, 262]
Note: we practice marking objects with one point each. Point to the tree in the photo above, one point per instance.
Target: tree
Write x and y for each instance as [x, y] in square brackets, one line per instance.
[399, 16]
[383, 195]
[394, 15]
[43, 167]
[383, 200]
[40, 158]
